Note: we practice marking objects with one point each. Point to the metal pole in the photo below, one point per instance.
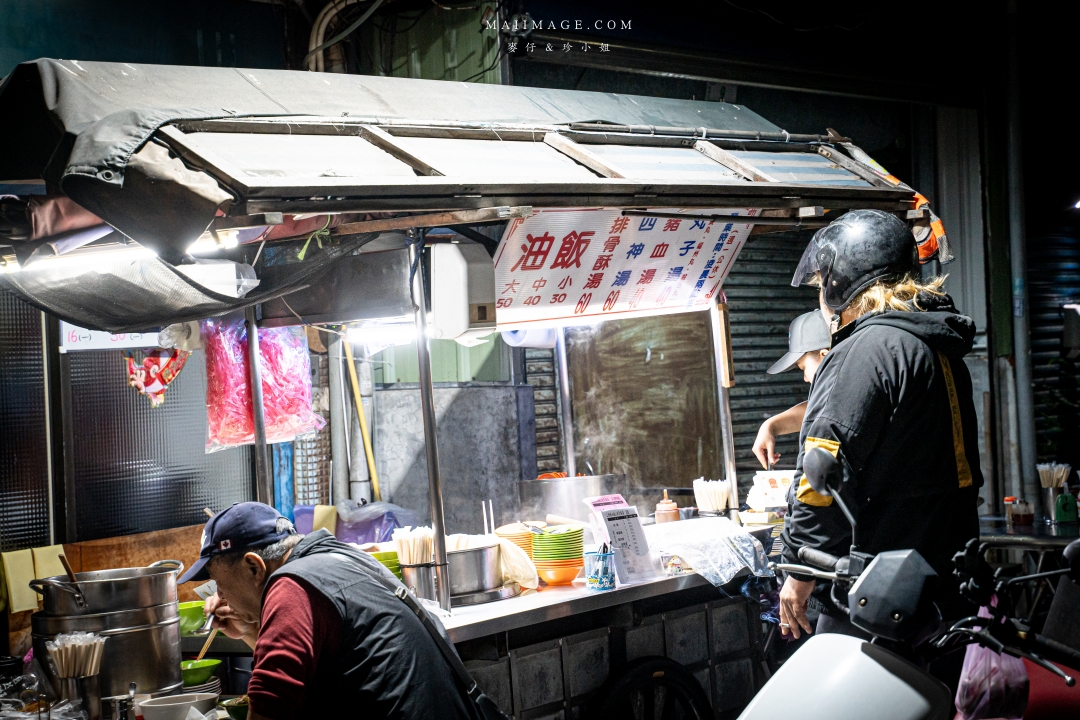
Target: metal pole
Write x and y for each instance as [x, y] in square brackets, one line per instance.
[1025, 399]
[264, 478]
[431, 443]
[725, 378]
[339, 425]
[564, 397]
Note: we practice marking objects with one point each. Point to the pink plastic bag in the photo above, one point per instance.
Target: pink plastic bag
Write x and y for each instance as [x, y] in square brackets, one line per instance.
[286, 381]
[992, 685]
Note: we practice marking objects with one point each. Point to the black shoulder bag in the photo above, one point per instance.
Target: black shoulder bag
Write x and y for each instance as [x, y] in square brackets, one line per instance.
[485, 707]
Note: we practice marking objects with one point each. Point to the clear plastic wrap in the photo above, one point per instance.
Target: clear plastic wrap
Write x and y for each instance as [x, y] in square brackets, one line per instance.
[286, 381]
[715, 547]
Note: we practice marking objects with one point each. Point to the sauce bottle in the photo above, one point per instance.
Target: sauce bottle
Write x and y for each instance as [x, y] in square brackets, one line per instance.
[666, 510]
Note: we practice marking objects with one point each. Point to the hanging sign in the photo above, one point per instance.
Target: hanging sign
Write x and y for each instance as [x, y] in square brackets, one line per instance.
[73, 337]
[565, 266]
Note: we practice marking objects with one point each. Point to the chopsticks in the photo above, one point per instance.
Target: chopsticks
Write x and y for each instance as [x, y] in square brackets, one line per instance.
[1054, 475]
[206, 645]
[711, 495]
[76, 654]
[415, 546]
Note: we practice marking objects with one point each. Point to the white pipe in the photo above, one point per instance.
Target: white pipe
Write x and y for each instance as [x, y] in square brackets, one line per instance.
[318, 31]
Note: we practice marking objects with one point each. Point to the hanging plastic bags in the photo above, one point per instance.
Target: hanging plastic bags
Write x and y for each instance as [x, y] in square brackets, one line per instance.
[286, 381]
[992, 685]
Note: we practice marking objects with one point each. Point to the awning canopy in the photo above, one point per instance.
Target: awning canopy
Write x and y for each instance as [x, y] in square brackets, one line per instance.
[159, 152]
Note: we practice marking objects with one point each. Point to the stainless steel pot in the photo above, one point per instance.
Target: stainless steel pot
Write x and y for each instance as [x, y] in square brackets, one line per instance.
[563, 496]
[474, 570]
[142, 646]
[104, 591]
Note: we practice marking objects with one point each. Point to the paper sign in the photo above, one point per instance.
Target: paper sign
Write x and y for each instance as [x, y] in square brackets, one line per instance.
[575, 265]
[627, 538]
[73, 337]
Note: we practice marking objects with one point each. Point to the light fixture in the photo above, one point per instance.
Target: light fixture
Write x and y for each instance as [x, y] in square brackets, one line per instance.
[210, 242]
[79, 262]
[378, 334]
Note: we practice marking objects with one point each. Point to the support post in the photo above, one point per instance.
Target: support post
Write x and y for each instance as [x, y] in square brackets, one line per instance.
[725, 379]
[1025, 397]
[564, 400]
[264, 477]
[427, 408]
[339, 424]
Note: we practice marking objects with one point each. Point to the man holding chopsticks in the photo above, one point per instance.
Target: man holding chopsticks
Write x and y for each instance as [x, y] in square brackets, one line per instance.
[327, 631]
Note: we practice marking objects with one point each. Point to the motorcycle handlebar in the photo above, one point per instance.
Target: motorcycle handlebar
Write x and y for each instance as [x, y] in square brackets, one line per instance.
[818, 558]
[1054, 651]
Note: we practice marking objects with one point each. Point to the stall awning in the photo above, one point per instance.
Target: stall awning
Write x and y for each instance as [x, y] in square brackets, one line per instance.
[158, 151]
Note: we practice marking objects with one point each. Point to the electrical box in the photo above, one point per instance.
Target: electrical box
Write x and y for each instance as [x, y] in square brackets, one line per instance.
[462, 292]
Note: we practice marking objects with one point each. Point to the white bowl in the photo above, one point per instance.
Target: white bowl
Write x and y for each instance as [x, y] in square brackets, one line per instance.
[175, 707]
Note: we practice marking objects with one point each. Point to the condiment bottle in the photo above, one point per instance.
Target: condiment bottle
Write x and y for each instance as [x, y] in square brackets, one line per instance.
[666, 510]
[1009, 507]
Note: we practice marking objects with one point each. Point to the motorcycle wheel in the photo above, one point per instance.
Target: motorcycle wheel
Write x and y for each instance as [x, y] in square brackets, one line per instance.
[655, 688]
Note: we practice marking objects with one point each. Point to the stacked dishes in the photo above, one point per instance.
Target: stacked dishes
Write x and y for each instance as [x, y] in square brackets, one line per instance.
[389, 560]
[211, 686]
[557, 554]
[519, 534]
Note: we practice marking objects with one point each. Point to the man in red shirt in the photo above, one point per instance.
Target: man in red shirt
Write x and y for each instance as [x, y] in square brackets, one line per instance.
[328, 635]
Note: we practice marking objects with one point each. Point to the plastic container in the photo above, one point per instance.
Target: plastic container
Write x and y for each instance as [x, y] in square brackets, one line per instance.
[1023, 513]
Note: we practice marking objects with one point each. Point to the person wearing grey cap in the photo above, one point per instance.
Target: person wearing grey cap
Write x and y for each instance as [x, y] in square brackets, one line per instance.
[808, 343]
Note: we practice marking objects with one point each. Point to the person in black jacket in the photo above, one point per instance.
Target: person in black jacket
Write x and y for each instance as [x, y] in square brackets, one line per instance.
[893, 402]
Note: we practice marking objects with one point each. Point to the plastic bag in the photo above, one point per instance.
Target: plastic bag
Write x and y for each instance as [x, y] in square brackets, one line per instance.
[715, 547]
[286, 381]
[373, 522]
[992, 685]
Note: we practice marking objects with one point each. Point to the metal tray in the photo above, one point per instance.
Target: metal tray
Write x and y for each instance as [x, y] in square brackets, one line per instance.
[508, 590]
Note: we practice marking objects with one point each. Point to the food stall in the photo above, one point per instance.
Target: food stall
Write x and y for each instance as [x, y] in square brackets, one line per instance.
[609, 206]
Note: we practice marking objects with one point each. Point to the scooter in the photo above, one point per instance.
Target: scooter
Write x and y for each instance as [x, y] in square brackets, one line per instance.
[888, 596]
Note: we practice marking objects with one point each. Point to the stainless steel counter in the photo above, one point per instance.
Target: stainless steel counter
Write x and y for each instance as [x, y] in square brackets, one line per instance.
[551, 603]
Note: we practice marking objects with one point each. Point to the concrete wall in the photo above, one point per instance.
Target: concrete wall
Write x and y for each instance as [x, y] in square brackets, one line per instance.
[487, 444]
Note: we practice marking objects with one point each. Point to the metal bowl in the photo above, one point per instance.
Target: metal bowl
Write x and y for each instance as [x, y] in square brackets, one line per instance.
[474, 570]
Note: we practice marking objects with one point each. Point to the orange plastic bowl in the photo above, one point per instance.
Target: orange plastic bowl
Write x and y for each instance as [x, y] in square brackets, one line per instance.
[558, 575]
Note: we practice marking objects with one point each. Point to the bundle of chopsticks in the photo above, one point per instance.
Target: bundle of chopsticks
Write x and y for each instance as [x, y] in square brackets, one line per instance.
[415, 546]
[711, 495]
[1052, 475]
[76, 654]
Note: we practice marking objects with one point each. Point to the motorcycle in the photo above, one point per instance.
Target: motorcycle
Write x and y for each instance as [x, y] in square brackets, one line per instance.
[888, 596]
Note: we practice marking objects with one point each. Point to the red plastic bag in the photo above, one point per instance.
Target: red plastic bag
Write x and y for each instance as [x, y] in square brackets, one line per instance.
[992, 685]
[286, 381]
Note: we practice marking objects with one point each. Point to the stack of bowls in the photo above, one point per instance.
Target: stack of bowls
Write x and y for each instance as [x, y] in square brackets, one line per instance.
[389, 560]
[557, 554]
[520, 535]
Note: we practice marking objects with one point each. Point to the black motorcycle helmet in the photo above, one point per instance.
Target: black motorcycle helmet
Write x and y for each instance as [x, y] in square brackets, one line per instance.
[855, 251]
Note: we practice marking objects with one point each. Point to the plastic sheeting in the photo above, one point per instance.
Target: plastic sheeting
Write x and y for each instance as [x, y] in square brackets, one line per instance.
[716, 548]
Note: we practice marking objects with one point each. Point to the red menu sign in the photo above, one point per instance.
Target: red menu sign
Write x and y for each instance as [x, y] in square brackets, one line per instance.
[564, 266]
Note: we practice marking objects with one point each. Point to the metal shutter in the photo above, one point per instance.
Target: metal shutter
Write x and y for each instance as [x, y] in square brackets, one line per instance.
[762, 304]
[1054, 280]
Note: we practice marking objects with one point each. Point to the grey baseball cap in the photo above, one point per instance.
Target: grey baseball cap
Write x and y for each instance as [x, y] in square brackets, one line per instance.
[807, 333]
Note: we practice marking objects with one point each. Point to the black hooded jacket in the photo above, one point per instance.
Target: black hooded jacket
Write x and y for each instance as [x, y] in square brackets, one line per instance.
[892, 400]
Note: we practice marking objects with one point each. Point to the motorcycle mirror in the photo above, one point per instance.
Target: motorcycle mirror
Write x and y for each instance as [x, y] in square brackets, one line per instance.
[822, 471]
[1072, 556]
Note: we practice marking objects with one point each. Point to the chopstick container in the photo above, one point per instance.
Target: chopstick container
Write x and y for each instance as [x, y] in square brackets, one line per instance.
[600, 571]
[84, 693]
[420, 579]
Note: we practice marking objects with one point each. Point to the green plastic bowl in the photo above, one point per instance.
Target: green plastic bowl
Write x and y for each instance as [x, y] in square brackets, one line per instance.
[196, 672]
[236, 709]
[191, 616]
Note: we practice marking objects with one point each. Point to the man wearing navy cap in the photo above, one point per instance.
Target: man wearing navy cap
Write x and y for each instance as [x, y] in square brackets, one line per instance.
[328, 635]
[808, 343]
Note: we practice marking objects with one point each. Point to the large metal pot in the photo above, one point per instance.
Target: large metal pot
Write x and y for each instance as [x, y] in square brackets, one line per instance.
[141, 646]
[563, 496]
[104, 591]
[474, 570]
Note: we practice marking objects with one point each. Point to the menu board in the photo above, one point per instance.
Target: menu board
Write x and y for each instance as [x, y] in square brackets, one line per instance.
[562, 266]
